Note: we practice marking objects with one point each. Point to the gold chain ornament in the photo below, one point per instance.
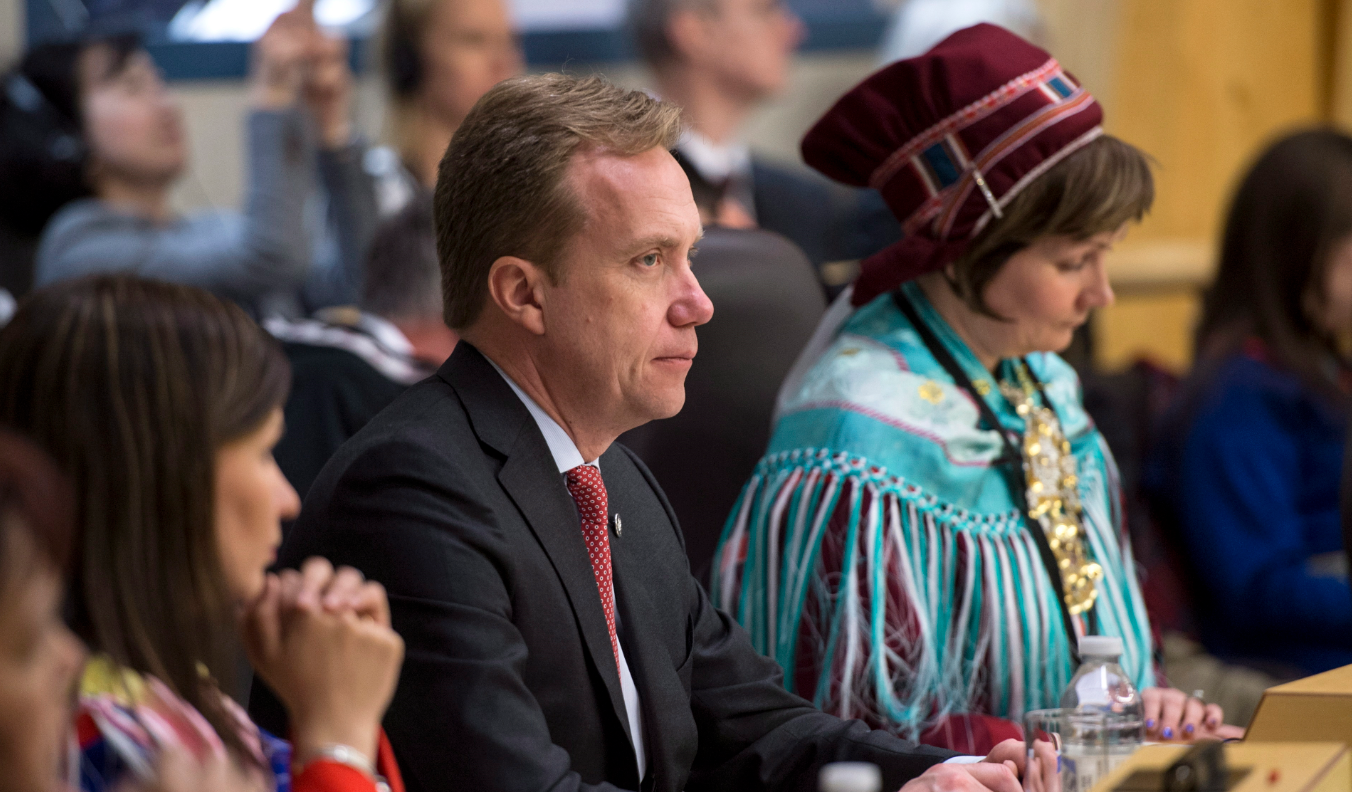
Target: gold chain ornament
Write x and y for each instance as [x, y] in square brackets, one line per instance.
[1053, 494]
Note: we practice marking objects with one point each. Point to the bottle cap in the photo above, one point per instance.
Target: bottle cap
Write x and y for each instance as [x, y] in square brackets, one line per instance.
[850, 777]
[1100, 646]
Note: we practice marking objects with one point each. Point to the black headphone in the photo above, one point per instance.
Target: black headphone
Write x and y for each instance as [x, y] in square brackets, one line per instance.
[403, 61]
[60, 143]
[43, 158]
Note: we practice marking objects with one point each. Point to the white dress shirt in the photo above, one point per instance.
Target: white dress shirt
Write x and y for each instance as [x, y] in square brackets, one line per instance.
[719, 163]
[567, 457]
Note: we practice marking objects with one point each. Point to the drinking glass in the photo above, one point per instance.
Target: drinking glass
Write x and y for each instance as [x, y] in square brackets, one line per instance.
[1076, 748]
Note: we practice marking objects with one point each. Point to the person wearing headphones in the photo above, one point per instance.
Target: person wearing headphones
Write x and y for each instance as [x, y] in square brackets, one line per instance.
[439, 57]
[94, 140]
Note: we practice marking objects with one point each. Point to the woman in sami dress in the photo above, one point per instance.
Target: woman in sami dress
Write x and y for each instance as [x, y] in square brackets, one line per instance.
[937, 521]
[162, 404]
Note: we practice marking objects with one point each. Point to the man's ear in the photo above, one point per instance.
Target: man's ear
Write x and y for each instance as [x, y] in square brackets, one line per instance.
[516, 286]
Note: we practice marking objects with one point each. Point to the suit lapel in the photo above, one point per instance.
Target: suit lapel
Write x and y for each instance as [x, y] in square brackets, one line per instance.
[644, 653]
[532, 480]
[534, 484]
[659, 691]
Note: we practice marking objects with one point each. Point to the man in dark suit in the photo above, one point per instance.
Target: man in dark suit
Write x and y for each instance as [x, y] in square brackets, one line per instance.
[720, 60]
[555, 637]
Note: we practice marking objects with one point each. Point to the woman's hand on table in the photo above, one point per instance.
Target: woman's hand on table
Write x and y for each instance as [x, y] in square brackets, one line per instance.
[1173, 716]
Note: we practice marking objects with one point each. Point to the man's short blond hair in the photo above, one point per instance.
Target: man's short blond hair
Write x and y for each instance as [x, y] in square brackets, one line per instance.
[502, 187]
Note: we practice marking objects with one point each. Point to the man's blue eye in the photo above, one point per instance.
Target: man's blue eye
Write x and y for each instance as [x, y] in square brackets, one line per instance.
[650, 260]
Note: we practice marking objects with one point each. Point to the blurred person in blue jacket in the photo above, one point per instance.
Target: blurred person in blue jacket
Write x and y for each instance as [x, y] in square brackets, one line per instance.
[1247, 472]
[94, 135]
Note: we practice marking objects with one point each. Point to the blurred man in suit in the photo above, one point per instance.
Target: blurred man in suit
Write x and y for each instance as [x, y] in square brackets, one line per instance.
[349, 362]
[720, 60]
[556, 639]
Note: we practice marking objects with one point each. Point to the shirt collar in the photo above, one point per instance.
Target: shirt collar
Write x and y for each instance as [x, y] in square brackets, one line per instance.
[561, 446]
[714, 161]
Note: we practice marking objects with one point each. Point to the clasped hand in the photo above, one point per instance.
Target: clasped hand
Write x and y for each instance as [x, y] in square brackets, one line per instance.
[321, 639]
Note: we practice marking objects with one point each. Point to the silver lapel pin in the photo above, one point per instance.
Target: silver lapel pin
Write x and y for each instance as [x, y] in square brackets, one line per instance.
[619, 526]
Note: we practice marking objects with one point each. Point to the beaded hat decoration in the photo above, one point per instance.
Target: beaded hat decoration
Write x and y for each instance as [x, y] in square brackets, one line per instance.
[949, 138]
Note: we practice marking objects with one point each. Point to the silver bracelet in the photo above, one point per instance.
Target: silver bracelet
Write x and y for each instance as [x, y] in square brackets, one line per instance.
[349, 756]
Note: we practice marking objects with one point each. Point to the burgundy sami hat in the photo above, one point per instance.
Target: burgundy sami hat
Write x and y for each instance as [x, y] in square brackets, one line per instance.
[949, 138]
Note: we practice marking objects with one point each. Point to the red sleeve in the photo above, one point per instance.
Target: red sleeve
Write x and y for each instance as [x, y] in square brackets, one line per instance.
[386, 765]
[322, 775]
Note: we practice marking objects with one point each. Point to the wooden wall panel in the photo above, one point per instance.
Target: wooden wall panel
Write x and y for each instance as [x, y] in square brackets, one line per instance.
[1202, 86]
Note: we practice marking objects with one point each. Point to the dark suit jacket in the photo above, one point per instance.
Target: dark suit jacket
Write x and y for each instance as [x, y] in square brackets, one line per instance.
[451, 499]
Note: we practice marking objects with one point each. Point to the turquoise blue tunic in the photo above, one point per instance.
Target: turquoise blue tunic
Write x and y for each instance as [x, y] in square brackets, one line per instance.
[879, 556]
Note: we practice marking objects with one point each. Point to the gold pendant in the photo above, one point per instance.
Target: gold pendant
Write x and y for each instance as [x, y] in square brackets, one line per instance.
[1053, 498]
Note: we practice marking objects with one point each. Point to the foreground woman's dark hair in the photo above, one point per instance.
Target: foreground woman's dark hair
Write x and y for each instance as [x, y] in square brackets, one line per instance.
[132, 385]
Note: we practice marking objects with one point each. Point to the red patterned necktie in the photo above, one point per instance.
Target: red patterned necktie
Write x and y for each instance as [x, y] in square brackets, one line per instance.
[589, 493]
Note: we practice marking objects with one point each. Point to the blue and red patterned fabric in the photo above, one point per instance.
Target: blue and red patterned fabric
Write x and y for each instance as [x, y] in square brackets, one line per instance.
[125, 720]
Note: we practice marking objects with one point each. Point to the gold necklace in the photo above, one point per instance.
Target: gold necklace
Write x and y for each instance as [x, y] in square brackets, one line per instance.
[1053, 495]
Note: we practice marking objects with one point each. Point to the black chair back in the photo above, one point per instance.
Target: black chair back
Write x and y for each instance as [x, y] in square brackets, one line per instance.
[767, 302]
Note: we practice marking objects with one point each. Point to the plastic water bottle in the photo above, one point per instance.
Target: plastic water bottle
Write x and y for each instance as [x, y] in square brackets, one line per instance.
[1101, 686]
[850, 777]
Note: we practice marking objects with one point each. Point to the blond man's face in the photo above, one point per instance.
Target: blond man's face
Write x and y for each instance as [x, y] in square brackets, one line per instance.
[620, 321]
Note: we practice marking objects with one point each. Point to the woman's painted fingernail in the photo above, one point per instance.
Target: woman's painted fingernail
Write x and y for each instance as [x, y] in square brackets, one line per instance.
[1168, 733]
[1213, 723]
[1189, 728]
[1150, 723]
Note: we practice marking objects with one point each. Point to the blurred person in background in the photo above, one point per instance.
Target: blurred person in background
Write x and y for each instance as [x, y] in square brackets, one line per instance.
[99, 140]
[439, 57]
[40, 659]
[1247, 472]
[918, 25]
[348, 363]
[935, 440]
[719, 60]
[162, 404]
